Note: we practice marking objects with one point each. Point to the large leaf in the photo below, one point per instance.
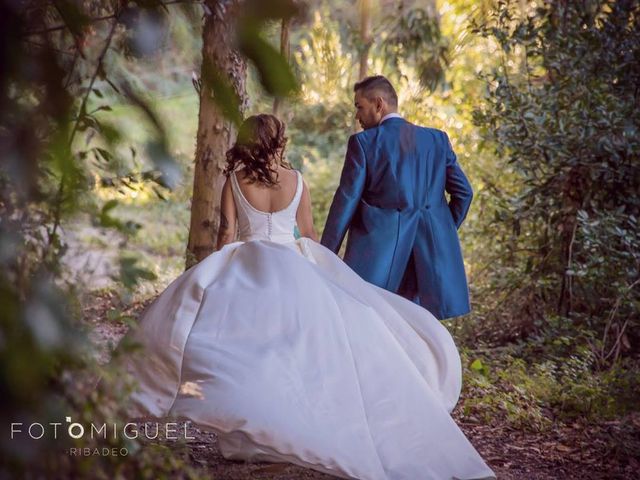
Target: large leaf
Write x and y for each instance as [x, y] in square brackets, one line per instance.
[275, 74]
[274, 70]
[224, 94]
[170, 172]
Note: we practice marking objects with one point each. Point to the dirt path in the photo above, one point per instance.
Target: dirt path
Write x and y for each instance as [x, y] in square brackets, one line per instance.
[607, 450]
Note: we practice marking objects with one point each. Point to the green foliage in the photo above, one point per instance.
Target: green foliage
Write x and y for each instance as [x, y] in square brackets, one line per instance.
[566, 131]
[59, 81]
[321, 178]
[275, 74]
[107, 221]
[131, 273]
[415, 38]
[607, 272]
[534, 391]
[322, 114]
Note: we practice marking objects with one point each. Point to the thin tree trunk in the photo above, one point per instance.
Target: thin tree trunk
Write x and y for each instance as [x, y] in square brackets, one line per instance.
[365, 37]
[366, 41]
[285, 50]
[432, 9]
[216, 134]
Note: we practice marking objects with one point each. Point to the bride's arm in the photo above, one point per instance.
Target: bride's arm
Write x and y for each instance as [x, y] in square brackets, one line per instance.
[227, 229]
[304, 217]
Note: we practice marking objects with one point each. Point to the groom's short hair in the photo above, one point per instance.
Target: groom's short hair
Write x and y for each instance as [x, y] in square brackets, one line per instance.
[377, 84]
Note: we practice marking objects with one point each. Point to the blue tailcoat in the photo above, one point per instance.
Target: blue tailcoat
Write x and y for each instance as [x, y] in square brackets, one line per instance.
[402, 232]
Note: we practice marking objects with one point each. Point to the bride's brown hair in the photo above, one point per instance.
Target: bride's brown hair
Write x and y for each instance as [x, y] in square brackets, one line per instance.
[260, 142]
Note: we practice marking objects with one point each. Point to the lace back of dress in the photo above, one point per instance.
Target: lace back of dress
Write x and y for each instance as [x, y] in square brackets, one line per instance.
[254, 224]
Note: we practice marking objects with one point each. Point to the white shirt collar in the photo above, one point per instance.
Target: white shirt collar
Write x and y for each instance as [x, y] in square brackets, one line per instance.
[389, 115]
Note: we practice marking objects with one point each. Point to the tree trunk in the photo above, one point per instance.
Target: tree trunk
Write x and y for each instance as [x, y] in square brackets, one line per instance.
[285, 50]
[216, 133]
[366, 41]
[365, 37]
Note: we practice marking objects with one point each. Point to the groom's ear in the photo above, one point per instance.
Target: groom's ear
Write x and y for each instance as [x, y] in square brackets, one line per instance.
[379, 104]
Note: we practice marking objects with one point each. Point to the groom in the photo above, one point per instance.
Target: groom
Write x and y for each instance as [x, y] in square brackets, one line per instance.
[402, 232]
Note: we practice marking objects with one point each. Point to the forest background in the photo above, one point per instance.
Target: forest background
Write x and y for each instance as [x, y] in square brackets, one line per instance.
[103, 109]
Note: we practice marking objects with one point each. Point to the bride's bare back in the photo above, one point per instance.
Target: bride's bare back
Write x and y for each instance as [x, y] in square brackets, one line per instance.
[269, 199]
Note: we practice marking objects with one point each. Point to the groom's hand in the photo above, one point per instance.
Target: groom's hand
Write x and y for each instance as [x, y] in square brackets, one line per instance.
[457, 186]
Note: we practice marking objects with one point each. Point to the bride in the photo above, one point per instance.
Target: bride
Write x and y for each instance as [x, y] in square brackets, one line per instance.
[274, 344]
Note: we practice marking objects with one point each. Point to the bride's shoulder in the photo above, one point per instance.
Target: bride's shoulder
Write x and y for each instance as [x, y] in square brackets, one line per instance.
[295, 172]
[245, 177]
[292, 173]
[241, 173]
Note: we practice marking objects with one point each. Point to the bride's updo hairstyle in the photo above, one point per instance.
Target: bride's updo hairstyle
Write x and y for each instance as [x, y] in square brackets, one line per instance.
[259, 148]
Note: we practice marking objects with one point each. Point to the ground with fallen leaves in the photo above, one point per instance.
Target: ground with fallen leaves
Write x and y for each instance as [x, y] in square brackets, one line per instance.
[607, 450]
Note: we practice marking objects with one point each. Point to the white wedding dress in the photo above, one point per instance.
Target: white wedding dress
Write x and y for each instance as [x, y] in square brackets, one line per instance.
[288, 355]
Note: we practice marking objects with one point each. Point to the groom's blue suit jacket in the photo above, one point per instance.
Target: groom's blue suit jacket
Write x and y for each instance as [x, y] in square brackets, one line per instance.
[402, 231]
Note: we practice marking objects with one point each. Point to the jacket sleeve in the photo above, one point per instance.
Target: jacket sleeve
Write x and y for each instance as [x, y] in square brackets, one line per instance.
[346, 199]
[457, 186]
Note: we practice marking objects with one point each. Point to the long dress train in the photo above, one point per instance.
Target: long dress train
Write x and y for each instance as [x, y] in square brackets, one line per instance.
[288, 355]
